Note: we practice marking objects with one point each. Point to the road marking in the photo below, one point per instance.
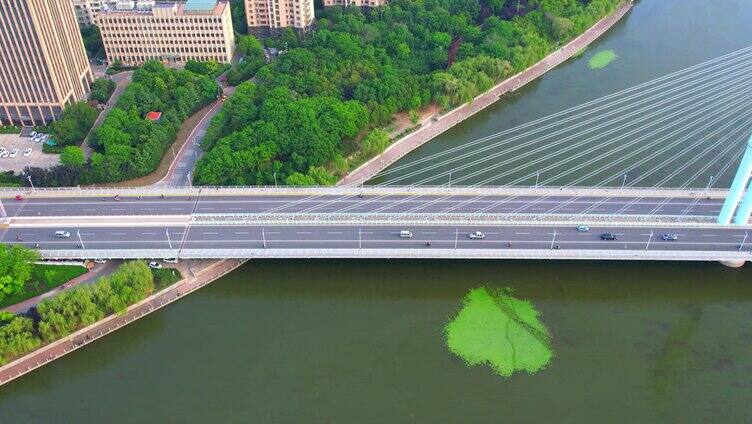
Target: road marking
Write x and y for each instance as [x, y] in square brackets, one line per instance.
[708, 235]
[334, 232]
[304, 232]
[147, 209]
[118, 234]
[523, 234]
[118, 209]
[149, 234]
[241, 232]
[210, 233]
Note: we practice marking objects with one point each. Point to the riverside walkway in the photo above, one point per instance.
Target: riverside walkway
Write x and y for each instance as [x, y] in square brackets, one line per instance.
[431, 129]
[48, 353]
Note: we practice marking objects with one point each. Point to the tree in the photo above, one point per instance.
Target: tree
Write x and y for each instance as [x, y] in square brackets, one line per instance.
[15, 268]
[75, 123]
[73, 156]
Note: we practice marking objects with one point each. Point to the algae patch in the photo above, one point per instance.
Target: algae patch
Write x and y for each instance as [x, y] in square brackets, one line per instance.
[497, 329]
[602, 59]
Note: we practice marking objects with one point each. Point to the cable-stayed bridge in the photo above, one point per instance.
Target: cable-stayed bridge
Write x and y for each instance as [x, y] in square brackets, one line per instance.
[645, 169]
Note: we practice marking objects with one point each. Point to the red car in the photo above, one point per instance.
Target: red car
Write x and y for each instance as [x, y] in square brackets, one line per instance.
[19, 197]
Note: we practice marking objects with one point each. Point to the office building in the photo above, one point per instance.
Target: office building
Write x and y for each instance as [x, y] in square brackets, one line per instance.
[87, 10]
[43, 64]
[173, 33]
[270, 17]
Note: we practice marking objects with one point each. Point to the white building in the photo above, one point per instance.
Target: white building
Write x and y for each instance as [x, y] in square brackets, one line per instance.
[270, 17]
[175, 32]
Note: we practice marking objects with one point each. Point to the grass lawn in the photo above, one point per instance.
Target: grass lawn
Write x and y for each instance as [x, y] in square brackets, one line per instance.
[43, 279]
[165, 277]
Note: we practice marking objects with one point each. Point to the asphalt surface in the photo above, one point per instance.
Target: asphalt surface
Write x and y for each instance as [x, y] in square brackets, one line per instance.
[349, 237]
[171, 205]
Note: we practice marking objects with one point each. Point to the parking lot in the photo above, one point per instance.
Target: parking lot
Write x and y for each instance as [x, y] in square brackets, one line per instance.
[17, 163]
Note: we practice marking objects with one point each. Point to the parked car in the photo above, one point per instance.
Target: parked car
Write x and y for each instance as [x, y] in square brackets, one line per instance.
[583, 228]
[609, 237]
[14, 153]
[224, 97]
[4, 154]
[170, 260]
[669, 237]
[27, 152]
[100, 261]
[32, 134]
[477, 235]
[155, 265]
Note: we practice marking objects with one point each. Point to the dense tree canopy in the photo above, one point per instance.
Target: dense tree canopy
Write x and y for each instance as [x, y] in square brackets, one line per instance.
[127, 145]
[15, 268]
[361, 66]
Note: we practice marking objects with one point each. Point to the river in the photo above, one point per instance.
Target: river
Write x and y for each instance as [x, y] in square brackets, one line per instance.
[361, 341]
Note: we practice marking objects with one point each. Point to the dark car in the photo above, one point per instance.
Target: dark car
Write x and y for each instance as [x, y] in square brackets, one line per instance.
[608, 236]
[669, 237]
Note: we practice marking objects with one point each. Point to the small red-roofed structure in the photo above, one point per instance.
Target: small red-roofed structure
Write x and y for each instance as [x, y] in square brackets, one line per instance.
[154, 116]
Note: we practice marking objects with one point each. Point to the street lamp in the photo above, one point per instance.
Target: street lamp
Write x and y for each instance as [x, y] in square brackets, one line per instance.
[649, 238]
[537, 177]
[275, 179]
[167, 231]
[32, 184]
[624, 182]
[80, 240]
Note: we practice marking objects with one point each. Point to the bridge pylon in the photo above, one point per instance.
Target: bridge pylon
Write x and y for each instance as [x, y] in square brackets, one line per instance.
[737, 192]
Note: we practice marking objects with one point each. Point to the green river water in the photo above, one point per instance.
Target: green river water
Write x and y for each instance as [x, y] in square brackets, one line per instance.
[361, 341]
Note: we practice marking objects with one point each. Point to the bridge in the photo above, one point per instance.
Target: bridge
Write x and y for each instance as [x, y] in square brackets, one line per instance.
[622, 164]
[365, 222]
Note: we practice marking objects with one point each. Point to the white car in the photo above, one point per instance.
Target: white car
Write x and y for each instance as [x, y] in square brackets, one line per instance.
[100, 261]
[14, 153]
[477, 235]
[27, 152]
[155, 265]
[4, 154]
[32, 134]
[170, 260]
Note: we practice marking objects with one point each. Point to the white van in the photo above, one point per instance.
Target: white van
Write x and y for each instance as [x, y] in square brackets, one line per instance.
[62, 234]
[406, 234]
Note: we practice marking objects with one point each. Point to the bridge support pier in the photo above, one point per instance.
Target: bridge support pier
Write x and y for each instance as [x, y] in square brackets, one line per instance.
[733, 264]
[736, 192]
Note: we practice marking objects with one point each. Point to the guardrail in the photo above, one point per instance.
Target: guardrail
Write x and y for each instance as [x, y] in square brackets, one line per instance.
[426, 253]
[365, 190]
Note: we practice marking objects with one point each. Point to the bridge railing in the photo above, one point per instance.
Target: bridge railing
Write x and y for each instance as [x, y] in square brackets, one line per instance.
[440, 253]
[366, 190]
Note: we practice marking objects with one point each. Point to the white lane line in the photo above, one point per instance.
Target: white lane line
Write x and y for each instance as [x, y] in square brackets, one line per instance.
[523, 234]
[708, 235]
[334, 232]
[210, 233]
[429, 232]
[147, 209]
[304, 232]
[176, 209]
[117, 209]
[149, 234]
[118, 234]
[87, 234]
[240, 233]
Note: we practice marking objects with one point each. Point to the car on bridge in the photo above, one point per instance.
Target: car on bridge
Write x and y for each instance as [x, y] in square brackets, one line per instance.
[609, 237]
[669, 237]
[477, 235]
[583, 228]
[406, 234]
[62, 234]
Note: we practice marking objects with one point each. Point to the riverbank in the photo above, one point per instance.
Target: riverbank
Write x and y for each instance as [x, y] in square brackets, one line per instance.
[430, 128]
[205, 273]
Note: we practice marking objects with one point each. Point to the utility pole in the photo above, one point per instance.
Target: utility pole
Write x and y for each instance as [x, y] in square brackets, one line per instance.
[32, 184]
[275, 179]
[78, 233]
[263, 237]
[450, 180]
[553, 240]
[456, 237]
[188, 177]
[537, 177]
[167, 231]
[624, 182]
[649, 238]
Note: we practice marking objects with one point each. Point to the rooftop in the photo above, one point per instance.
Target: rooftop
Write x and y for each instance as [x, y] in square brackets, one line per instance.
[189, 7]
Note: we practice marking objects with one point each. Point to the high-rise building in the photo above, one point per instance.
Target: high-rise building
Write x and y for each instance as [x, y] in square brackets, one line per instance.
[43, 64]
[360, 3]
[174, 32]
[269, 17]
